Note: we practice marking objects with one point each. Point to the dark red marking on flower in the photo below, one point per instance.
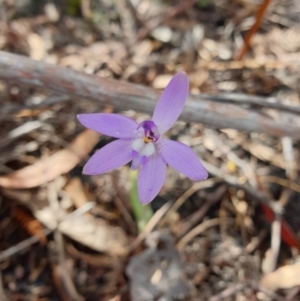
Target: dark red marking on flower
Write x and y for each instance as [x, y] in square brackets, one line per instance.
[151, 133]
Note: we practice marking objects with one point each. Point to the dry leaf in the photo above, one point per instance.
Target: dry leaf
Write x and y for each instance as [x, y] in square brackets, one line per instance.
[29, 223]
[37, 46]
[96, 234]
[92, 232]
[76, 192]
[161, 81]
[283, 278]
[46, 170]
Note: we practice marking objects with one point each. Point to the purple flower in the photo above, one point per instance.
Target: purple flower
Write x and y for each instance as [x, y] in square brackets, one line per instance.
[143, 143]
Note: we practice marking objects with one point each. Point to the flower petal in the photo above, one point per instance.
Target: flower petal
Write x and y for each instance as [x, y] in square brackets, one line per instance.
[137, 160]
[182, 158]
[114, 125]
[171, 102]
[151, 178]
[111, 156]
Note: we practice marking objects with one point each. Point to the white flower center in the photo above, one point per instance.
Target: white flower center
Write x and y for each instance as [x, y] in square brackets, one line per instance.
[142, 148]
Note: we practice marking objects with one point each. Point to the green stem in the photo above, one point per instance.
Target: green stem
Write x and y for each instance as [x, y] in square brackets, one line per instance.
[142, 213]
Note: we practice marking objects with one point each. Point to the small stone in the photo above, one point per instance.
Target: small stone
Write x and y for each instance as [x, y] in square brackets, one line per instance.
[162, 33]
[37, 46]
[198, 34]
[161, 81]
[51, 12]
[224, 53]
[227, 86]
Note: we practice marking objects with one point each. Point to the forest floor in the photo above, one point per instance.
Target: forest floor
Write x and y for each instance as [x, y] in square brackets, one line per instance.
[234, 236]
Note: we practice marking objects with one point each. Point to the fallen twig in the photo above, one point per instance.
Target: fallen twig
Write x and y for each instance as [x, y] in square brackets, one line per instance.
[252, 192]
[259, 101]
[275, 242]
[260, 13]
[197, 186]
[196, 231]
[157, 216]
[20, 131]
[19, 247]
[125, 96]
[47, 102]
[229, 291]
[194, 219]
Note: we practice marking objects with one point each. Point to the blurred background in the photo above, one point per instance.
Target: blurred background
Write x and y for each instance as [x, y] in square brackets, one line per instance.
[235, 236]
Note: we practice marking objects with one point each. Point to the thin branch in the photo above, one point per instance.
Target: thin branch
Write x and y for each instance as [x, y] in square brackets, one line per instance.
[196, 231]
[252, 192]
[259, 101]
[47, 102]
[19, 247]
[157, 216]
[197, 186]
[20, 131]
[259, 16]
[275, 243]
[233, 289]
[198, 215]
[125, 96]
